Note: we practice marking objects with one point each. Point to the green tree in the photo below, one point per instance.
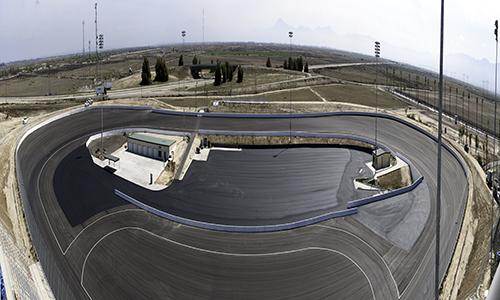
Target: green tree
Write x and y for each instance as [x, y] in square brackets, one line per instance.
[229, 70]
[161, 70]
[290, 64]
[224, 73]
[181, 60]
[285, 65]
[218, 75]
[240, 75]
[146, 73]
[306, 67]
[195, 60]
[299, 64]
[268, 62]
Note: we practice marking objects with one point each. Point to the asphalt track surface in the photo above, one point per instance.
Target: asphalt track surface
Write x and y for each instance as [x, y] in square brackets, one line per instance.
[248, 187]
[126, 253]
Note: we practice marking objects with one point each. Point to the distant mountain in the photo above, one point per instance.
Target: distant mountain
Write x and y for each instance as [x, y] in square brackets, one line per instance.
[477, 70]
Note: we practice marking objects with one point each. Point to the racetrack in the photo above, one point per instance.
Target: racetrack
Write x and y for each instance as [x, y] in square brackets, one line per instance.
[123, 252]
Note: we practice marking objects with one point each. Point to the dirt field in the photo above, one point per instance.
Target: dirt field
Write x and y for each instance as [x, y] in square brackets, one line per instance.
[34, 109]
[253, 77]
[41, 85]
[362, 95]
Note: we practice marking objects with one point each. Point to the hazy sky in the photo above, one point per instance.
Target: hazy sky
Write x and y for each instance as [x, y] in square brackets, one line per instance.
[32, 28]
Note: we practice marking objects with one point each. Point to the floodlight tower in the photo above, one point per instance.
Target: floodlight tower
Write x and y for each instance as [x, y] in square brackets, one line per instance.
[377, 56]
[290, 35]
[96, 47]
[183, 34]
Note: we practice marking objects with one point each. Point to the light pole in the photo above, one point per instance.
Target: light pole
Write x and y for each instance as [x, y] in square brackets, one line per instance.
[96, 46]
[440, 129]
[183, 34]
[377, 55]
[83, 37]
[495, 132]
[495, 97]
[290, 35]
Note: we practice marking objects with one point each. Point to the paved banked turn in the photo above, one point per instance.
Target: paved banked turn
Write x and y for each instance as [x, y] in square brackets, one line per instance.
[124, 252]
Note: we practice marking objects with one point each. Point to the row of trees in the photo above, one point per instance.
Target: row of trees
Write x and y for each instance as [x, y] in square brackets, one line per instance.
[224, 72]
[296, 64]
[160, 69]
[196, 61]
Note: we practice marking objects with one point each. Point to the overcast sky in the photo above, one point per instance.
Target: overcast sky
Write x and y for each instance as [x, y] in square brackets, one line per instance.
[32, 28]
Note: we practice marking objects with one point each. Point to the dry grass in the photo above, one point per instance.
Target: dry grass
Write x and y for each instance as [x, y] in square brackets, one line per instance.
[253, 78]
[40, 85]
[357, 94]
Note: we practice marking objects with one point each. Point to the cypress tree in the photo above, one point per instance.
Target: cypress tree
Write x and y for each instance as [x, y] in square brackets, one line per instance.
[306, 67]
[158, 70]
[285, 65]
[268, 63]
[218, 75]
[146, 73]
[224, 73]
[195, 60]
[290, 64]
[240, 75]
[229, 72]
[300, 64]
[161, 70]
[181, 61]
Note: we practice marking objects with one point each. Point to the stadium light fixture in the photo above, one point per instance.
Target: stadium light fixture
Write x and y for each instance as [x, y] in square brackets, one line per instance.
[183, 34]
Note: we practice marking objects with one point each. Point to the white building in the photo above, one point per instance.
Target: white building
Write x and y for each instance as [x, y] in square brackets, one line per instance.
[153, 146]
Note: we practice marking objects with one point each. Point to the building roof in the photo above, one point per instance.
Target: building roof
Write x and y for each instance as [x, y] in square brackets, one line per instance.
[151, 139]
[380, 151]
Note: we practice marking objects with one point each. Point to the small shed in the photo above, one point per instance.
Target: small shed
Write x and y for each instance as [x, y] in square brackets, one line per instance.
[148, 145]
[381, 159]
